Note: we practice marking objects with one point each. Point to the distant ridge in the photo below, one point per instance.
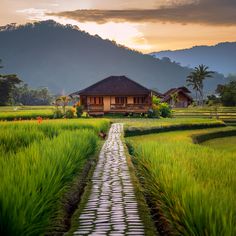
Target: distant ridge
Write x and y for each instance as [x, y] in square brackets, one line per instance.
[64, 58]
[220, 57]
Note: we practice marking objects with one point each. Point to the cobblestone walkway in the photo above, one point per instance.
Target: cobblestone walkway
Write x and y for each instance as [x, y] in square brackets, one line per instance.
[112, 207]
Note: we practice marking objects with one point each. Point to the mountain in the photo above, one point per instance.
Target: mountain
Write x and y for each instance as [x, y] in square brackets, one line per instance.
[220, 57]
[65, 58]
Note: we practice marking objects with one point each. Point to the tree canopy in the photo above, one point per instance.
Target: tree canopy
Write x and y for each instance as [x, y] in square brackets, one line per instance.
[227, 93]
[196, 78]
[7, 84]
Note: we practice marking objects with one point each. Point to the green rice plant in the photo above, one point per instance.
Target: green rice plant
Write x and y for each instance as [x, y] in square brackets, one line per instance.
[26, 114]
[224, 143]
[140, 127]
[34, 179]
[192, 186]
[38, 162]
[12, 140]
[52, 127]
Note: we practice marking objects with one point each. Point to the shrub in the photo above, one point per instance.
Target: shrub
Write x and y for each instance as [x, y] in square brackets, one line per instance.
[165, 110]
[79, 111]
[156, 100]
[154, 112]
[70, 113]
[57, 114]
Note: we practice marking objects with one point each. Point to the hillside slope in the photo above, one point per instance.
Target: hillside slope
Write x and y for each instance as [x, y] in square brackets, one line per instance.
[65, 58]
[220, 57]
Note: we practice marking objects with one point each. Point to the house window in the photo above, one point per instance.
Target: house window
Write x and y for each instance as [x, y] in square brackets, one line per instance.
[140, 100]
[121, 100]
[96, 100]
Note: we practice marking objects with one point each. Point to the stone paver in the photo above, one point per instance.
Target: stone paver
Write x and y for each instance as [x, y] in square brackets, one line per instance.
[112, 208]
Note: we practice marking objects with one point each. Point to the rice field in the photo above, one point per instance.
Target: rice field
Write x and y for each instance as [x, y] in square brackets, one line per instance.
[38, 162]
[227, 114]
[25, 112]
[191, 187]
[135, 127]
[149, 123]
[225, 143]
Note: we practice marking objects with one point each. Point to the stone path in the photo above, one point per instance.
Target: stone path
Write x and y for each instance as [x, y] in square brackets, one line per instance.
[112, 208]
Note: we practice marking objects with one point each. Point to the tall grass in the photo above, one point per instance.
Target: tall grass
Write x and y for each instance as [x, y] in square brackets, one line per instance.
[39, 168]
[192, 186]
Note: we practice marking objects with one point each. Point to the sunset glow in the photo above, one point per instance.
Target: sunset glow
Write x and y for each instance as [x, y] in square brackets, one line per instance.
[145, 27]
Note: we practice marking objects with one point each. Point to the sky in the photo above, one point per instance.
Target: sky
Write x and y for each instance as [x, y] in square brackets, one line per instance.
[144, 25]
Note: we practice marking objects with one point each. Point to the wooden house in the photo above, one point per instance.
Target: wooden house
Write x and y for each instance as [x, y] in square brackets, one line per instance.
[178, 97]
[115, 94]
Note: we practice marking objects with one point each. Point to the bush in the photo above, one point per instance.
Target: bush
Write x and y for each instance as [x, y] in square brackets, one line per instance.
[153, 113]
[79, 111]
[57, 114]
[70, 113]
[165, 110]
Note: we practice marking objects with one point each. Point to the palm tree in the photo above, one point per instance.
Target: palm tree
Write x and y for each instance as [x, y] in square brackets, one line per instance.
[192, 81]
[196, 78]
[63, 101]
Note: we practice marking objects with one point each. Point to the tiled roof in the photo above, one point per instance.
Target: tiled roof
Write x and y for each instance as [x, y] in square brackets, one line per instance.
[114, 85]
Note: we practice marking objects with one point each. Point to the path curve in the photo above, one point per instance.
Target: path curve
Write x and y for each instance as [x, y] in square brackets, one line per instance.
[112, 207]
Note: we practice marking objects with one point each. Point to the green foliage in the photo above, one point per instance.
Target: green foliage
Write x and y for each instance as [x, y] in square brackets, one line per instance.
[212, 100]
[7, 85]
[227, 93]
[196, 78]
[79, 111]
[165, 110]
[154, 112]
[62, 101]
[28, 96]
[70, 113]
[192, 186]
[159, 109]
[155, 100]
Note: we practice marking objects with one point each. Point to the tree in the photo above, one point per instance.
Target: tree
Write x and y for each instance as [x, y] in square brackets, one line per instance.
[227, 93]
[192, 81]
[63, 101]
[28, 96]
[7, 85]
[196, 79]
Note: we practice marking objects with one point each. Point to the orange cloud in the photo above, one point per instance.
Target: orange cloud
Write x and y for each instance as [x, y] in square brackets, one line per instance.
[212, 12]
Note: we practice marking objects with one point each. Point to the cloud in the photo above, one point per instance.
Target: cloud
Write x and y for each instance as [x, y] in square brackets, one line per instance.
[34, 13]
[211, 12]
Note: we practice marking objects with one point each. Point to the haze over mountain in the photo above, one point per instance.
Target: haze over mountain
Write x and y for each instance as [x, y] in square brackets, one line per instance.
[65, 58]
[220, 57]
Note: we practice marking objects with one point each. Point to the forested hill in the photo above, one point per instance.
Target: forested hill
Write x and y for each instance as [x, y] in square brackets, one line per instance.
[220, 57]
[66, 58]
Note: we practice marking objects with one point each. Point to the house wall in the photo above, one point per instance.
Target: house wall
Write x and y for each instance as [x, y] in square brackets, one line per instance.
[112, 99]
[106, 102]
[130, 100]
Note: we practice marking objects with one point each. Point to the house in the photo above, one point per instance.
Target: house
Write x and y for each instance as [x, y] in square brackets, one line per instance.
[115, 94]
[178, 97]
